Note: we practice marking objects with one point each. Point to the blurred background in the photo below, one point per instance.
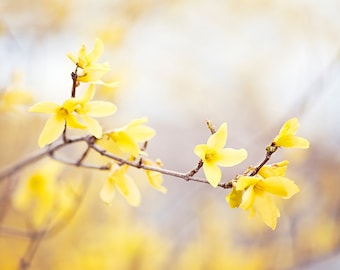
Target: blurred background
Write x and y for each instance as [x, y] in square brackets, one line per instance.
[251, 63]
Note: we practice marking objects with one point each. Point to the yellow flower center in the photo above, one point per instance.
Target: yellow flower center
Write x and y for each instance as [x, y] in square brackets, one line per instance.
[36, 183]
[258, 187]
[210, 155]
[62, 113]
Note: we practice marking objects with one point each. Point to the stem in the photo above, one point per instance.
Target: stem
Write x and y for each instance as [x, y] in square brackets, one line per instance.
[22, 164]
[271, 149]
[31, 250]
[195, 170]
[75, 84]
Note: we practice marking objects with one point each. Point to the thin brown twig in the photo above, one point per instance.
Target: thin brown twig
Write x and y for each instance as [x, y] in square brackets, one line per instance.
[31, 250]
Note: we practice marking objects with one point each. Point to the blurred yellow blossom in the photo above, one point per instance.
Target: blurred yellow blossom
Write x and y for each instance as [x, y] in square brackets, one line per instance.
[10, 100]
[125, 185]
[126, 139]
[287, 138]
[213, 155]
[87, 108]
[61, 116]
[155, 178]
[15, 94]
[91, 72]
[258, 191]
[40, 195]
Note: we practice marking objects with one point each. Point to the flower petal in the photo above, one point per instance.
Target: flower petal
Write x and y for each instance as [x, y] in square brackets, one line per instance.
[228, 157]
[234, 198]
[72, 122]
[274, 185]
[245, 181]
[93, 126]
[45, 107]
[88, 94]
[54, 127]
[72, 57]
[219, 138]
[129, 190]
[70, 104]
[155, 180]
[125, 143]
[107, 193]
[97, 51]
[212, 173]
[200, 150]
[267, 210]
[100, 108]
[248, 198]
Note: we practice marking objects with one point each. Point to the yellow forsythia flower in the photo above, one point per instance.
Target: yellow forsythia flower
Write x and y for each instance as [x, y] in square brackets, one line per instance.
[155, 178]
[287, 138]
[61, 116]
[89, 108]
[10, 100]
[125, 185]
[259, 189]
[126, 139]
[213, 155]
[41, 196]
[91, 72]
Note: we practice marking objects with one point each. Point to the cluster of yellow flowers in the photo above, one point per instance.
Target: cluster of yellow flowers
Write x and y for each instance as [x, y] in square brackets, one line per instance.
[77, 113]
[251, 191]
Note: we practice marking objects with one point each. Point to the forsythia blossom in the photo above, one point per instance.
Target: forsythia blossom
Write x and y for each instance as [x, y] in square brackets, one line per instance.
[89, 108]
[213, 155]
[91, 72]
[126, 139]
[155, 178]
[254, 193]
[61, 116]
[118, 179]
[41, 195]
[287, 138]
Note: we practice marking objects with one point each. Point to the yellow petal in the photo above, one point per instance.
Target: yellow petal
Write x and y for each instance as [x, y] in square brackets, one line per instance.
[82, 57]
[274, 185]
[72, 57]
[96, 52]
[139, 132]
[228, 157]
[70, 104]
[107, 84]
[234, 198]
[277, 169]
[200, 150]
[88, 94]
[125, 143]
[267, 210]
[92, 74]
[291, 187]
[155, 180]
[72, 122]
[54, 127]
[245, 181]
[100, 108]
[107, 193]
[248, 198]
[292, 141]
[290, 127]
[218, 139]
[93, 126]
[108, 144]
[45, 107]
[129, 190]
[212, 173]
